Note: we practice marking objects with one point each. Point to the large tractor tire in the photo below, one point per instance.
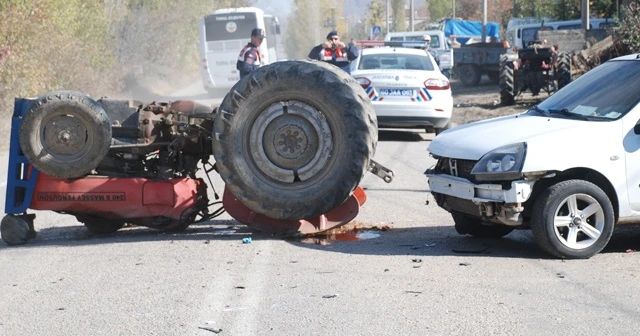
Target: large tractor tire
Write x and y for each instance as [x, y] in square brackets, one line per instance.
[469, 74]
[507, 82]
[564, 70]
[294, 139]
[65, 134]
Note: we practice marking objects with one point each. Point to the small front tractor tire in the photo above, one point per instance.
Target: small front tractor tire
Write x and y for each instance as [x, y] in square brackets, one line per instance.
[65, 134]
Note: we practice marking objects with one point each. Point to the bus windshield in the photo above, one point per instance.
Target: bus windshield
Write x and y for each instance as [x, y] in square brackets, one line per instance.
[232, 26]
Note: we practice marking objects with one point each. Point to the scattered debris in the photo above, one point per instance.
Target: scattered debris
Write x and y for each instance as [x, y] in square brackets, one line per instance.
[246, 240]
[229, 308]
[386, 270]
[293, 261]
[240, 287]
[630, 251]
[417, 266]
[430, 245]
[61, 308]
[416, 260]
[465, 264]
[413, 292]
[215, 331]
[481, 250]
[560, 275]
[331, 296]
[206, 241]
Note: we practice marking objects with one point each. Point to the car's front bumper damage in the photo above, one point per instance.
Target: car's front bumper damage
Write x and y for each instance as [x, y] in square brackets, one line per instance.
[499, 203]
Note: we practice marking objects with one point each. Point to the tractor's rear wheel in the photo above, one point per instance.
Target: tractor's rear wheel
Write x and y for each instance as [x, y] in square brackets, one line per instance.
[564, 70]
[65, 134]
[507, 82]
[294, 139]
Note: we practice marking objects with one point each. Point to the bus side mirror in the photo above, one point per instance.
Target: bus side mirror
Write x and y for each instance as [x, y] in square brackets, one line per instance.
[278, 28]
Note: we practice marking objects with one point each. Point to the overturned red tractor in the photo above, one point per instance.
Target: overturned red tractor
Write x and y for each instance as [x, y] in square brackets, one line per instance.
[291, 142]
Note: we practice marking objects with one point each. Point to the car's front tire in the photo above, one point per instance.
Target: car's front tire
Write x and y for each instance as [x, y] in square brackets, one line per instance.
[572, 219]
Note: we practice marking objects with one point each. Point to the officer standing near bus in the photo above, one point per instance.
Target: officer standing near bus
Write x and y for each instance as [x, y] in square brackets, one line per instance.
[249, 58]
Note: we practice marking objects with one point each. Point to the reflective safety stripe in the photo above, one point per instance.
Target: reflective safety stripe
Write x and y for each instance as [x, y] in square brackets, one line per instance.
[245, 50]
[327, 55]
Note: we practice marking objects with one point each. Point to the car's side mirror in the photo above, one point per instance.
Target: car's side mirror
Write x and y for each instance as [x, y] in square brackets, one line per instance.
[636, 128]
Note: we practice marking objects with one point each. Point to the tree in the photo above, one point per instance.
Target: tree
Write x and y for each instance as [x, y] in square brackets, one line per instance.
[399, 15]
[306, 26]
[627, 34]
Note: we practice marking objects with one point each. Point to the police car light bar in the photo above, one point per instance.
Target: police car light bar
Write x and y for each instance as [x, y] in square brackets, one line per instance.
[404, 44]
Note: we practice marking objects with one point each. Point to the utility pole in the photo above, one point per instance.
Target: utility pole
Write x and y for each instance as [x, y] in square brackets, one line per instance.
[411, 11]
[386, 14]
[585, 15]
[484, 21]
[453, 9]
[333, 18]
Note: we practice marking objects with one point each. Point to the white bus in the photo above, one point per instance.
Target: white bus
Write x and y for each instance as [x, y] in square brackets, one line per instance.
[223, 34]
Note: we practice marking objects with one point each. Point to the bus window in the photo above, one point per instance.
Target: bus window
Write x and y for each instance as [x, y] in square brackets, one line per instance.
[220, 27]
[571, 26]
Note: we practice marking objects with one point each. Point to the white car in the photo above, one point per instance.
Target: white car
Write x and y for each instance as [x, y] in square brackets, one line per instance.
[568, 169]
[406, 88]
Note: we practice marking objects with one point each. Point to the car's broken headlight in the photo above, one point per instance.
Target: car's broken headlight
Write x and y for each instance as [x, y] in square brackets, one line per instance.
[501, 164]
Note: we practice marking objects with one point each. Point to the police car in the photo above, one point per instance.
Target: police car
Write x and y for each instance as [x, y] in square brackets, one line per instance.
[405, 85]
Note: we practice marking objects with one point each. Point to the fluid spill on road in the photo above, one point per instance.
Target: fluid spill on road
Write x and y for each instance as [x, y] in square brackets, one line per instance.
[351, 233]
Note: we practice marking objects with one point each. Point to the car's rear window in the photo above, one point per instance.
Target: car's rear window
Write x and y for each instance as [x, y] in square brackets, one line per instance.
[395, 61]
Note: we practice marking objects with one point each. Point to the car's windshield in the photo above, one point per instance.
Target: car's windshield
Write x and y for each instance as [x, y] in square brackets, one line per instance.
[395, 61]
[607, 92]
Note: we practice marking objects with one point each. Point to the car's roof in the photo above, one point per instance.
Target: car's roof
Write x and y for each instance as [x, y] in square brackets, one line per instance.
[392, 50]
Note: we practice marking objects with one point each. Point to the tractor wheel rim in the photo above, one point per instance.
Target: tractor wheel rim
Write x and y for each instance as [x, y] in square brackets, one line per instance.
[290, 141]
[579, 221]
[65, 136]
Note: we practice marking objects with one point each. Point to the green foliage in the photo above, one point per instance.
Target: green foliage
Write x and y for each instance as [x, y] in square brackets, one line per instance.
[439, 9]
[96, 46]
[399, 15]
[627, 34]
[306, 26]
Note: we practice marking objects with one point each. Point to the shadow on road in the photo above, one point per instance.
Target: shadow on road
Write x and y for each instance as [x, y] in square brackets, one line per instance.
[445, 241]
[78, 235]
[414, 241]
[403, 136]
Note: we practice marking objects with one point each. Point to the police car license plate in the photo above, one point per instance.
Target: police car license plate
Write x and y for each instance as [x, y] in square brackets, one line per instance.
[397, 92]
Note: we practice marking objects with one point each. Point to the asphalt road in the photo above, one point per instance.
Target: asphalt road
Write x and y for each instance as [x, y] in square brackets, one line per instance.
[418, 278]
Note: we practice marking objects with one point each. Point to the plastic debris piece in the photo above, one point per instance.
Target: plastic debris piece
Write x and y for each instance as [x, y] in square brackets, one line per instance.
[465, 264]
[331, 296]
[215, 331]
[246, 240]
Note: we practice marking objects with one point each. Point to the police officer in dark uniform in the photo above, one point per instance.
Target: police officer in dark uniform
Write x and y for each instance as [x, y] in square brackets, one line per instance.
[335, 52]
[249, 58]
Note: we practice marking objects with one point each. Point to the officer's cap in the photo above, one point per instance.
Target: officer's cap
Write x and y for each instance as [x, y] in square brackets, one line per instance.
[258, 32]
[332, 34]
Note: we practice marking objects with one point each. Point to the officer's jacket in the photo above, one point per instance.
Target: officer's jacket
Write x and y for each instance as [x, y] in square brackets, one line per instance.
[340, 57]
[248, 60]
